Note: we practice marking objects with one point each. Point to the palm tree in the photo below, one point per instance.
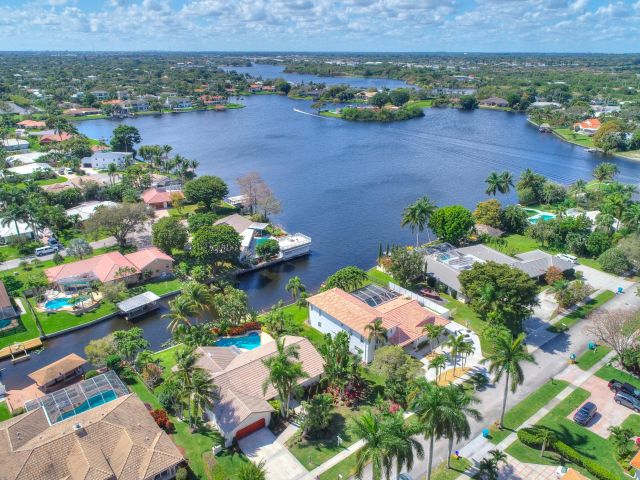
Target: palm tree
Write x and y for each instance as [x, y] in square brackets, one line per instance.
[13, 213]
[547, 436]
[506, 181]
[112, 171]
[578, 188]
[375, 451]
[507, 355]
[185, 370]
[457, 424]
[402, 443]
[489, 468]
[631, 216]
[295, 287]
[180, 309]
[376, 333]
[429, 403]
[499, 182]
[455, 343]
[604, 223]
[621, 436]
[438, 363]
[605, 172]
[204, 392]
[466, 349]
[417, 216]
[433, 331]
[252, 471]
[199, 295]
[284, 373]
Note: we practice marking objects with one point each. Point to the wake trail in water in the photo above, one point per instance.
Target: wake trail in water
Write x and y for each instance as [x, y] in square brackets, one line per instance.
[310, 114]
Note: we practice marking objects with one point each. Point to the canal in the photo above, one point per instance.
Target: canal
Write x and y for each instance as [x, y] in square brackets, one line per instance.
[344, 184]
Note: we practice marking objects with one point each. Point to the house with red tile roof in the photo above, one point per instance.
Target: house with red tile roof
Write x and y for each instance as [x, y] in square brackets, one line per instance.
[404, 318]
[588, 127]
[32, 124]
[54, 138]
[160, 199]
[213, 99]
[144, 264]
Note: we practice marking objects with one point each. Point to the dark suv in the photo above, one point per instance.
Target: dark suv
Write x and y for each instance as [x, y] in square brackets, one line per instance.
[616, 386]
[627, 400]
[585, 413]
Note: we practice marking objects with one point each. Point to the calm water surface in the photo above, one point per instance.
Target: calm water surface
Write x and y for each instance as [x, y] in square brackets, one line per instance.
[344, 184]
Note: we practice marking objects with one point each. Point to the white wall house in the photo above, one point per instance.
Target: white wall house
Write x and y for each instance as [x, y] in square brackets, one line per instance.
[102, 160]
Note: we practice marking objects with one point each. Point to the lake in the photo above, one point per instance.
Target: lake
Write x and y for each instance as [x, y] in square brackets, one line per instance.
[344, 184]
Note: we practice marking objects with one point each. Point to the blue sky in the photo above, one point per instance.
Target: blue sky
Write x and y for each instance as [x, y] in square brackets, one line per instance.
[322, 25]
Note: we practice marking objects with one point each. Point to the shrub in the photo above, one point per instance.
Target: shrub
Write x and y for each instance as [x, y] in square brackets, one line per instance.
[151, 374]
[167, 400]
[90, 374]
[182, 474]
[553, 275]
[268, 249]
[162, 419]
[114, 362]
[244, 328]
[614, 261]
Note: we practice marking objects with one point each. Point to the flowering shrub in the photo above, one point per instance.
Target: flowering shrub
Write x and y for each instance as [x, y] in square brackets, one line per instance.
[244, 328]
[162, 420]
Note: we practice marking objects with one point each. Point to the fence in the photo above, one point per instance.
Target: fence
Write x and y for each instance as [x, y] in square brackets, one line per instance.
[439, 309]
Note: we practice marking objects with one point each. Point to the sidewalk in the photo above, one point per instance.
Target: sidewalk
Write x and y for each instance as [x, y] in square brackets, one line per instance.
[479, 447]
[316, 472]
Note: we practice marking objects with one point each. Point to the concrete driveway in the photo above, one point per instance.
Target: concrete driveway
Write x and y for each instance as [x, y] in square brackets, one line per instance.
[609, 412]
[601, 280]
[279, 463]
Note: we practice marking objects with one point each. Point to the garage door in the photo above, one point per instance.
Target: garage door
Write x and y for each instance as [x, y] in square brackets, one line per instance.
[249, 429]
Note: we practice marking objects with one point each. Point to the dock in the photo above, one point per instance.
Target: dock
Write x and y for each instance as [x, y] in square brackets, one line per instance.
[20, 351]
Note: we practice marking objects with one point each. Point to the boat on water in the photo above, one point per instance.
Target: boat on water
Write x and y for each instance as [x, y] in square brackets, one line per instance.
[592, 150]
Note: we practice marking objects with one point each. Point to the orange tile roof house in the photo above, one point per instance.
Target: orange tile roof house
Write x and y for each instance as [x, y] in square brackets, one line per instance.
[32, 124]
[141, 265]
[335, 310]
[54, 138]
[159, 199]
[118, 440]
[588, 127]
[239, 375]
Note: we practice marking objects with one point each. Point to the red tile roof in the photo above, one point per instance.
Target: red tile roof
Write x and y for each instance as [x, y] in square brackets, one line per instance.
[153, 195]
[589, 124]
[32, 124]
[55, 137]
[143, 258]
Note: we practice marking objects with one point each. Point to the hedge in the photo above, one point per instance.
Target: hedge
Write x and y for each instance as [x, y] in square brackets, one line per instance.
[531, 438]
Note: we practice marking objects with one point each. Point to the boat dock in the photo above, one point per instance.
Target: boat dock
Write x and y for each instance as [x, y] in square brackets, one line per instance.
[20, 351]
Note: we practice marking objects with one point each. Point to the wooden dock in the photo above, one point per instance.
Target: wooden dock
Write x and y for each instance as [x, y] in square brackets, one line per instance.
[19, 351]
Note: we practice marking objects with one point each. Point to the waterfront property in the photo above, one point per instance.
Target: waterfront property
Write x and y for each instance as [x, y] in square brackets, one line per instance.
[536, 215]
[160, 198]
[102, 160]
[93, 429]
[494, 102]
[138, 305]
[145, 264]
[8, 313]
[243, 407]
[403, 318]
[587, 127]
[445, 263]
[58, 372]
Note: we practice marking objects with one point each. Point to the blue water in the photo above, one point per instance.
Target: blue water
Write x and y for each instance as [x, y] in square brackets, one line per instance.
[92, 402]
[4, 323]
[248, 342]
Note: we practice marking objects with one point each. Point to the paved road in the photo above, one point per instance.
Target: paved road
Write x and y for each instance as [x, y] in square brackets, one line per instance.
[551, 359]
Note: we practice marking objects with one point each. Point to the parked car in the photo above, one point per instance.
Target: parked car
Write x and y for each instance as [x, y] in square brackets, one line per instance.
[585, 413]
[568, 258]
[49, 249]
[405, 476]
[52, 241]
[617, 386]
[627, 400]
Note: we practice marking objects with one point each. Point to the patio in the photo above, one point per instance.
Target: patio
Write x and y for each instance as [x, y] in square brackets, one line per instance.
[57, 301]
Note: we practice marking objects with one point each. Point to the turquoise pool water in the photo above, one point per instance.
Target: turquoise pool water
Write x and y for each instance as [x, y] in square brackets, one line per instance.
[541, 216]
[261, 240]
[92, 402]
[58, 303]
[248, 342]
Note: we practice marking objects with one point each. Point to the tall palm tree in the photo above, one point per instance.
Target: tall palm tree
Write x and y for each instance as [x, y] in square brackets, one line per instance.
[493, 183]
[204, 392]
[417, 216]
[455, 343]
[467, 349]
[376, 333]
[429, 402]
[546, 435]
[605, 172]
[295, 287]
[506, 181]
[505, 359]
[284, 373]
[185, 371]
[181, 309]
[604, 223]
[13, 213]
[199, 296]
[578, 188]
[402, 442]
[438, 363]
[456, 416]
[112, 171]
[631, 217]
[433, 331]
[375, 451]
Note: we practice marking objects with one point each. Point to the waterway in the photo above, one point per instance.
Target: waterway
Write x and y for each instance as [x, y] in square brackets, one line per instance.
[344, 184]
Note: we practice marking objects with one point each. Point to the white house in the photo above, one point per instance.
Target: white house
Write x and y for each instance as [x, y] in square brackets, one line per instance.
[177, 103]
[85, 210]
[102, 160]
[15, 144]
[9, 232]
[25, 158]
[100, 94]
[30, 168]
[335, 311]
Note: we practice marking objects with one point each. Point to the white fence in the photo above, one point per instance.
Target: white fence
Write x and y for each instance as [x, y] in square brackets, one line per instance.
[425, 302]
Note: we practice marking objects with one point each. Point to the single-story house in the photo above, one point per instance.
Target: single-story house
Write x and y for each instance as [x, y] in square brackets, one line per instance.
[255, 87]
[445, 263]
[54, 138]
[25, 158]
[85, 210]
[177, 103]
[10, 232]
[15, 144]
[599, 110]
[133, 267]
[243, 407]
[592, 215]
[160, 199]
[588, 127]
[32, 124]
[238, 222]
[494, 102]
[213, 99]
[7, 310]
[245, 228]
[335, 310]
[30, 168]
[81, 111]
[482, 229]
[58, 372]
[115, 439]
[102, 160]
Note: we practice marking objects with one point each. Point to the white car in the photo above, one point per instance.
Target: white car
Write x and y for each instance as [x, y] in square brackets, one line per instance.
[568, 258]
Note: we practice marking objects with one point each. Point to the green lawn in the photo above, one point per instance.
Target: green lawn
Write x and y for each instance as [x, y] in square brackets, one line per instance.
[313, 453]
[300, 316]
[184, 212]
[381, 278]
[589, 358]
[9, 252]
[526, 408]
[632, 422]
[581, 312]
[458, 466]
[163, 287]
[4, 412]
[327, 113]
[30, 331]
[167, 358]
[346, 468]
[575, 138]
[464, 315]
[420, 103]
[54, 322]
[526, 454]
[609, 372]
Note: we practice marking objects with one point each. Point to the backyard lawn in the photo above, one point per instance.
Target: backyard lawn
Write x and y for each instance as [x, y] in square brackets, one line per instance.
[573, 137]
[163, 287]
[515, 417]
[54, 322]
[30, 331]
[581, 312]
[4, 412]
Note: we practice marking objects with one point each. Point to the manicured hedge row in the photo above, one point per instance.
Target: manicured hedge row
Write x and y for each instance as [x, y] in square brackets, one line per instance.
[240, 329]
[531, 438]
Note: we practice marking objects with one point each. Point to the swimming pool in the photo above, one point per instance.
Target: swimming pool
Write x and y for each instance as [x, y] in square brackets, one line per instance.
[261, 240]
[544, 216]
[247, 342]
[91, 402]
[58, 303]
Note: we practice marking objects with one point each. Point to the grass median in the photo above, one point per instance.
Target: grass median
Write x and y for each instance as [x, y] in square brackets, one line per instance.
[581, 312]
